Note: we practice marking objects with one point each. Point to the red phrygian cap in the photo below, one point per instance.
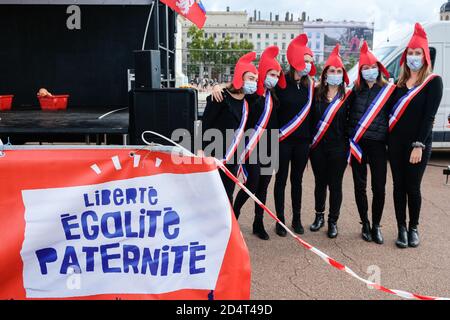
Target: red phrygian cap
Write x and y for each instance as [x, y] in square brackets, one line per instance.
[418, 40]
[296, 54]
[367, 58]
[269, 62]
[335, 60]
[243, 66]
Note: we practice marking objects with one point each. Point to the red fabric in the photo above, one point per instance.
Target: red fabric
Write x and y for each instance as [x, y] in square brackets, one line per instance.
[335, 60]
[195, 14]
[243, 66]
[269, 62]
[296, 53]
[367, 58]
[37, 169]
[418, 40]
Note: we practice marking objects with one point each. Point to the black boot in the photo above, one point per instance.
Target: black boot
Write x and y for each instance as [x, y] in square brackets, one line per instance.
[297, 224]
[366, 232]
[279, 229]
[318, 223]
[377, 236]
[332, 230]
[402, 240]
[259, 230]
[413, 237]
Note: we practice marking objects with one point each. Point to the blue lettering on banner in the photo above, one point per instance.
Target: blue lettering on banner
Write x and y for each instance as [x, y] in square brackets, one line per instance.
[118, 225]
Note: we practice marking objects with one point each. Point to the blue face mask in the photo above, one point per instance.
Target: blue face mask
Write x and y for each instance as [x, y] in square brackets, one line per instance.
[249, 87]
[270, 82]
[415, 63]
[306, 71]
[370, 75]
[335, 79]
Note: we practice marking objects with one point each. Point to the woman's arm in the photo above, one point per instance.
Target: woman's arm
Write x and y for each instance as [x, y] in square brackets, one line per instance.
[433, 101]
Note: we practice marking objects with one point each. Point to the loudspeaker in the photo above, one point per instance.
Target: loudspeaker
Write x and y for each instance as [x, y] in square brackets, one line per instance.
[162, 111]
[147, 69]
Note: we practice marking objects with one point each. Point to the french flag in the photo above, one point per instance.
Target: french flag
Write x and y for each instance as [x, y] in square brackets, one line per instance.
[192, 10]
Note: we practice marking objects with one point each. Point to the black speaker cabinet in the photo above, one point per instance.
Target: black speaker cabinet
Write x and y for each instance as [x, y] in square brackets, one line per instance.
[162, 111]
[147, 65]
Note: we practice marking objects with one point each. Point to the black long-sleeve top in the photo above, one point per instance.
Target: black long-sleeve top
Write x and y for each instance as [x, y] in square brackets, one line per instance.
[337, 133]
[292, 100]
[223, 116]
[416, 123]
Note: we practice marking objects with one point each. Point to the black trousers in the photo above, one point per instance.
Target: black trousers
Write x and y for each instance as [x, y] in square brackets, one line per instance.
[407, 181]
[227, 182]
[296, 154]
[374, 155]
[329, 163]
[258, 185]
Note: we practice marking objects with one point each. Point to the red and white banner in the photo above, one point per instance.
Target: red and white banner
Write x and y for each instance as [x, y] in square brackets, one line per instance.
[117, 223]
[192, 10]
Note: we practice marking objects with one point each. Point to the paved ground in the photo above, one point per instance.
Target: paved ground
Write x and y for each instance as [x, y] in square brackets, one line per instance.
[284, 270]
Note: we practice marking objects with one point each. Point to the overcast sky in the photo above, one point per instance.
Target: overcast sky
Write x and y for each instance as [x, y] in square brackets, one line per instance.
[388, 15]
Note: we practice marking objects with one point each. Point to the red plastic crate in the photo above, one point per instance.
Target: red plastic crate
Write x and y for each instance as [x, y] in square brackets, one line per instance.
[54, 103]
[6, 102]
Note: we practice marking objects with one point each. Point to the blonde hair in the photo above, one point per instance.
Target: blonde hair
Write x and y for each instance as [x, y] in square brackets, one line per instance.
[405, 74]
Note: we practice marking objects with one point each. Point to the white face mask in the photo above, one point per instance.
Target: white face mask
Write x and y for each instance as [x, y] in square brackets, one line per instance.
[335, 79]
[271, 82]
[415, 63]
[306, 71]
[370, 75]
[249, 87]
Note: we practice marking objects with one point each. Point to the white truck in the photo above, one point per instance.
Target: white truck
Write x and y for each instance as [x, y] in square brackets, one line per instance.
[390, 52]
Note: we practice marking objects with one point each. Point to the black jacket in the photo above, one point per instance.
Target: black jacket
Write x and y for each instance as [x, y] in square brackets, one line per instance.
[223, 116]
[336, 134]
[291, 101]
[359, 103]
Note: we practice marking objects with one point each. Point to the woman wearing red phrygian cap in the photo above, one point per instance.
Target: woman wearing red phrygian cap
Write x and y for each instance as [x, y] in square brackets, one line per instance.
[329, 147]
[368, 131]
[415, 104]
[230, 116]
[294, 120]
[262, 119]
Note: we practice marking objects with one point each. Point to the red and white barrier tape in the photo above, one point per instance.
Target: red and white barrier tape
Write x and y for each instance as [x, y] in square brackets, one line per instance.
[328, 260]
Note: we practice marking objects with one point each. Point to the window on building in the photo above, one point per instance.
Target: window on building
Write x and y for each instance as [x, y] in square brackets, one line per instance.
[292, 36]
[206, 35]
[318, 35]
[275, 36]
[224, 35]
[283, 46]
[284, 36]
[250, 35]
[267, 36]
[259, 36]
[215, 35]
[275, 44]
[267, 44]
[283, 58]
[241, 36]
[258, 46]
[317, 45]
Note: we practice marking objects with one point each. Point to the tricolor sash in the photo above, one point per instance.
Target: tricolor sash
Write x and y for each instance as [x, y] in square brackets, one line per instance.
[259, 131]
[239, 133]
[369, 116]
[327, 118]
[402, 104]
[297, 121]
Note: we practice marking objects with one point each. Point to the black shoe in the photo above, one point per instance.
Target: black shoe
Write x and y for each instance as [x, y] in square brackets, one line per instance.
[260, 231]
[318, 223]
[366, 232]
[332, 230]
[280, 230]
[377, 236]
[413, 237]
[298, 227]
[402, 240]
